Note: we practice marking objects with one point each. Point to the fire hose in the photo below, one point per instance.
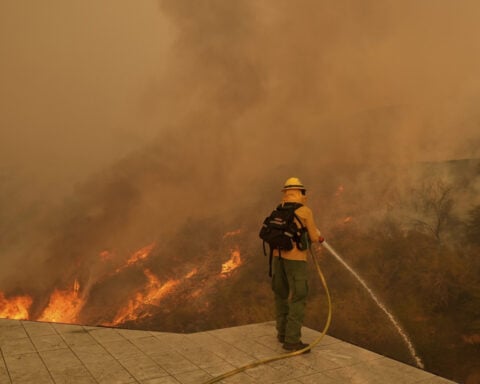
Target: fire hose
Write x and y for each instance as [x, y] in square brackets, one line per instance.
[290, 354]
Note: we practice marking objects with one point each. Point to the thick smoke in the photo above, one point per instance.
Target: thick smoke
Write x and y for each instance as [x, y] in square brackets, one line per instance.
[119, 122]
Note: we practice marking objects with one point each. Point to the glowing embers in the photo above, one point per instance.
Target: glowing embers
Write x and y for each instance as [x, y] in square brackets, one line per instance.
[64, 305]
[233, 263]
[15, 307]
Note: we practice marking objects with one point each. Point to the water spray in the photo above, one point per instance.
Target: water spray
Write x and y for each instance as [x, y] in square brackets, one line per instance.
[402, 333]
[397, 326]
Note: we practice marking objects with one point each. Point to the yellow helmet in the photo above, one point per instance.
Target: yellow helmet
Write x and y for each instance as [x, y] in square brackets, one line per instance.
[293, 183]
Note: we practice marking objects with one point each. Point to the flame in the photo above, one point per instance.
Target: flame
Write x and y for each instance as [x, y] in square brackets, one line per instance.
[193, 272]
[347, 219]
[152, 293]
[63, 306]
[15, 308]
[156, 291]
[137, 256]
[141, 254]
[234, 262]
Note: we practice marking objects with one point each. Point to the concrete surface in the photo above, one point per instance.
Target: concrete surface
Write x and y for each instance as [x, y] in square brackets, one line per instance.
[40, 353]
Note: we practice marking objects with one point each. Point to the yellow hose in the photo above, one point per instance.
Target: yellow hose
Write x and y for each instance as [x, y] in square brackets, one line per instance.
[295, 353]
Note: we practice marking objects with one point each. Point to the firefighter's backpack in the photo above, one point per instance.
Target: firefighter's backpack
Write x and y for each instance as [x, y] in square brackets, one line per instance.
[280, 230]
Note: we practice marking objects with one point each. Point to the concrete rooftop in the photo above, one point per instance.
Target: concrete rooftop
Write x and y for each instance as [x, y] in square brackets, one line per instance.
[40, 353]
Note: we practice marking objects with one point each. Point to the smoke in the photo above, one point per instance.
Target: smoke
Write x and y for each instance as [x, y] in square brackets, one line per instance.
[254, 87]
[122, 122]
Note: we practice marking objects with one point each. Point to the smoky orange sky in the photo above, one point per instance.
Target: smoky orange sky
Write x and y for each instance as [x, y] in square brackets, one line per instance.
[85, 83]
[72, 75]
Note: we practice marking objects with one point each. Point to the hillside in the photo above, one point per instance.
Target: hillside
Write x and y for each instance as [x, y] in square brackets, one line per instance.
[411, 232]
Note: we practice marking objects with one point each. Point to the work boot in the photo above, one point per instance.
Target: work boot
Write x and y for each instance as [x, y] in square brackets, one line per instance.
[292, 347]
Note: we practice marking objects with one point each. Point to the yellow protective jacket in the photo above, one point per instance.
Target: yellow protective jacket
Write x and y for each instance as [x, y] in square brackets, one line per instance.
[306, 216]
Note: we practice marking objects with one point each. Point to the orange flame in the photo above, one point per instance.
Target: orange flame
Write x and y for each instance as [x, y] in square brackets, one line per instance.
[63, 306]
[232, 264]
[15, 308]
[137, 256]
[153, 292]
[141, 254]
[191, 273]
[347, 220]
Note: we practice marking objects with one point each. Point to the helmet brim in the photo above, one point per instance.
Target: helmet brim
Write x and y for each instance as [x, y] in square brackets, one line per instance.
[290, 187]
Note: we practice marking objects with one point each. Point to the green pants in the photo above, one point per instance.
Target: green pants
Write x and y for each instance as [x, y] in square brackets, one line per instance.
[289, 283]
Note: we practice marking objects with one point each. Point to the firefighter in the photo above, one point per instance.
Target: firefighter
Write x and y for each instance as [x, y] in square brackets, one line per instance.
[289, 278]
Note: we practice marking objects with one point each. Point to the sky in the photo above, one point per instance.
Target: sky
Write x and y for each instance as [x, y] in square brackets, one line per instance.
[73, 75]
[85, 84]
[190, 101]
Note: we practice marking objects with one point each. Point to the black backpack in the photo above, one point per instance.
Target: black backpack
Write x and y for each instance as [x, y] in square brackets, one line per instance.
[280, 231]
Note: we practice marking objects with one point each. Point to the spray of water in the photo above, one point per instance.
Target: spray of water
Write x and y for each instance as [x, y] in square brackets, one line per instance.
[402, 333]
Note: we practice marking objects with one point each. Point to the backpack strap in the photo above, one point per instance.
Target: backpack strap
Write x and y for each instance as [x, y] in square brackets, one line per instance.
[270, 259]
[270, 256]
[298, 219]
[302, 227]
